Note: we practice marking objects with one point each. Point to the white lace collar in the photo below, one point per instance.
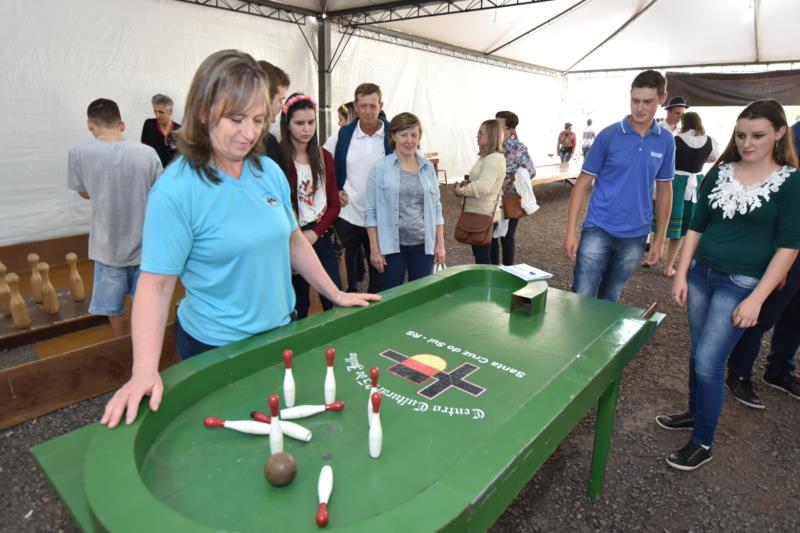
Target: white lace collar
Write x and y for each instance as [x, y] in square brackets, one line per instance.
[733, 197]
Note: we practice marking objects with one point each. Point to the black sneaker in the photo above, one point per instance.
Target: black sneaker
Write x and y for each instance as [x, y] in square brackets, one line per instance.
[786, 383]
[679, 421]
[690, 457]
[744, 391]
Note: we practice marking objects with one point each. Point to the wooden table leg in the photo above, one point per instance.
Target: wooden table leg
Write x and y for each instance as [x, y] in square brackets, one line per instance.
[606, 411]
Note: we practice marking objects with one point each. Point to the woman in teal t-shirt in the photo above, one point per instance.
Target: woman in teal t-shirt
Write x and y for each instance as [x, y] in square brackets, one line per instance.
[221, 220]
[741, 242]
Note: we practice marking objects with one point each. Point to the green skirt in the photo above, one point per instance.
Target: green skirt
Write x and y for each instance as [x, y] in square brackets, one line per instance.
[682, 210]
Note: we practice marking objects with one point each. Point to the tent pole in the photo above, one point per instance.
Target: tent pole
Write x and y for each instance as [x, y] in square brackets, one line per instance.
[324, 74]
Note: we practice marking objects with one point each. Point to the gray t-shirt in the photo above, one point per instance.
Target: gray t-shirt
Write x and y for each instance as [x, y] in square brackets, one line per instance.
[412, 209]
[117, 175]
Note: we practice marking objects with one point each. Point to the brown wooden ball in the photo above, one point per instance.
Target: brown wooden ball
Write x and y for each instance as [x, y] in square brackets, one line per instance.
[280, 469]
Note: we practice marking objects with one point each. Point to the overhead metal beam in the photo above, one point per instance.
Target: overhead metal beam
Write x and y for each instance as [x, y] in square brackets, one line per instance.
[404, 10]
[542, 25]
[259, 8]
[788, 63]
[617, 32]
[419, 43]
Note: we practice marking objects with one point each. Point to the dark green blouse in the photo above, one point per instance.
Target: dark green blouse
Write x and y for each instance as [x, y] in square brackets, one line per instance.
[742, 227]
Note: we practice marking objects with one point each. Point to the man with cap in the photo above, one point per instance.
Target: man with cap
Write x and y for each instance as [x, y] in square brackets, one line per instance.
[676, 107]
[566, 143]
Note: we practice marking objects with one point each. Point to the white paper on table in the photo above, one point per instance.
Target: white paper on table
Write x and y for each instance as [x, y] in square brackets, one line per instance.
[526, 272]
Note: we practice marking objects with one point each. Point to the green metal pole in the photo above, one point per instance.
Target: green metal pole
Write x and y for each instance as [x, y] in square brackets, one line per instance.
[606, 411]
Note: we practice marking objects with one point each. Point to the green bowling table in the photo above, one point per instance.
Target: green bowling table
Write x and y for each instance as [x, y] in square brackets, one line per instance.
[482, 376]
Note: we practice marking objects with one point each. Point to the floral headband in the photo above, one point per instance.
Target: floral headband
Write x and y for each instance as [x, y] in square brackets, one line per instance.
[297, 98]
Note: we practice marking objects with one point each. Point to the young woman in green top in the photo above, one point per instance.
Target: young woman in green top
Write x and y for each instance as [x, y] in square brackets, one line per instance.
[741, 242]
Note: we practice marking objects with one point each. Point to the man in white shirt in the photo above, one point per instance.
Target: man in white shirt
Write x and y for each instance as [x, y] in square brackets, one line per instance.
[359, 145]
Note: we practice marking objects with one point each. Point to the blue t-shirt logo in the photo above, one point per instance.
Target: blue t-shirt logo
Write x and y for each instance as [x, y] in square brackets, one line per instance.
[271, 201]
[656, 154]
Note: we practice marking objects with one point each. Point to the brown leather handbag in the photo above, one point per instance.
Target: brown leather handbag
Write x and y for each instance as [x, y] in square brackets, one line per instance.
[474, 228]
[512, 206]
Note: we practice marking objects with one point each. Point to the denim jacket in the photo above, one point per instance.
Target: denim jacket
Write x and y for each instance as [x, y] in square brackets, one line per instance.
[383, 202]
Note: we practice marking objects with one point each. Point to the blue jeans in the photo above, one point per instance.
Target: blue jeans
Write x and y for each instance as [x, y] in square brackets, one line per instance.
[110, 287]
[326, 255]
[605, 263]
[782, 310]
[187, 345]
[713, 296]
[410, 258]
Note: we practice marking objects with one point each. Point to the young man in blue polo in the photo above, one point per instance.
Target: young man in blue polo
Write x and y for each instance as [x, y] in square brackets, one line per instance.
[627, 160]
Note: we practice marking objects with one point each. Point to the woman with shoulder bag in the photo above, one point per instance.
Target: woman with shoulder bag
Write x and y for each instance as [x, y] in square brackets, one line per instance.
[312, 181]
[517, 158]
[482, 193]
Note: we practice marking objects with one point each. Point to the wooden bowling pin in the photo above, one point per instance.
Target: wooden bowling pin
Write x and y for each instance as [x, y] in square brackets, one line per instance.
[19, 311]
[275, 431]
[75, 282]
[330, 380]
[36, 278]
[49, 294]
[375, 429]
[5, 293]
[373, 375]
[288, 380]
[251, 427]
[324, 490]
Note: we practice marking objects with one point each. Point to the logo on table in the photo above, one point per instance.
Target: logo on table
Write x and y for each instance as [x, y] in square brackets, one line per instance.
[422, 368]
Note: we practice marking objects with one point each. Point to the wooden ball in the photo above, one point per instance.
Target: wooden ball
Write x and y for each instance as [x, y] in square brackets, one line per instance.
[280, 469]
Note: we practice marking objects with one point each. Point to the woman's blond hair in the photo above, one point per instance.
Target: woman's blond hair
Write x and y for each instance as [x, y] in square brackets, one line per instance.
[228, 83]
[495, 134]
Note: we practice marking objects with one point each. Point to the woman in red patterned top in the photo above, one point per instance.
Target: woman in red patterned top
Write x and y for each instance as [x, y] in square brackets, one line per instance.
[315, 196]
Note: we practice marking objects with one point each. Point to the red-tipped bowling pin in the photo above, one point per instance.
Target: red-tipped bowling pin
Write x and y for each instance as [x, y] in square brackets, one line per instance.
[242, 426]
[330, 380]
[304, 411]
[373, 375]
[324, 490]
[275, 431]
[375, 429]
[288, 380]
[290, 429]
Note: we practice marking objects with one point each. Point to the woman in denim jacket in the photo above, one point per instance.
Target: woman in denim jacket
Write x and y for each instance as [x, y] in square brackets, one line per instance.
[742, 240]
[404, 211]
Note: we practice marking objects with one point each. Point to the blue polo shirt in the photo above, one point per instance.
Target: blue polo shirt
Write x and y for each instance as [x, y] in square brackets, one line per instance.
[228, 243]
[626, 166]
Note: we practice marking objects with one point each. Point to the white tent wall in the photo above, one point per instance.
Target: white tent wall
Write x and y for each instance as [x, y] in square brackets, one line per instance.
[59, 56]
[451, 97]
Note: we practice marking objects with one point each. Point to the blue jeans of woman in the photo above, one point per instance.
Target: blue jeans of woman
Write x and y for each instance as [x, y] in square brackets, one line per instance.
[713, 296]
[187, 345]
[782, 310]
[605, 263]
[326, 255]
[411, 259]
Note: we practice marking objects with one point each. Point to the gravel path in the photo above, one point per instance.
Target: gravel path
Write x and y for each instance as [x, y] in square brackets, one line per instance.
[751, 485]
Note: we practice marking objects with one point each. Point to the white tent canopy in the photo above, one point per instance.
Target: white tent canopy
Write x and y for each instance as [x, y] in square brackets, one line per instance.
[57, 57]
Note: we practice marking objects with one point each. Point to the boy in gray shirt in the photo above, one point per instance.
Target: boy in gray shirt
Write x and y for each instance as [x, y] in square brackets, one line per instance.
[116, 175]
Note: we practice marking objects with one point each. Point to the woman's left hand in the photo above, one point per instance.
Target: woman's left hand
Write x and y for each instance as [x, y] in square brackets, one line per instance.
[355, 299]
[746, 313]
[439, 254]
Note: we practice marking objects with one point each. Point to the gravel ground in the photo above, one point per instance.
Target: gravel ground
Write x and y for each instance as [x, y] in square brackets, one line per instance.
[751, 485]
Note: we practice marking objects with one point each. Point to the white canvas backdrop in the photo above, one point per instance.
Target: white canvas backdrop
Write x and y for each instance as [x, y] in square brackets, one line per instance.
[451, 97]
[59, 56]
